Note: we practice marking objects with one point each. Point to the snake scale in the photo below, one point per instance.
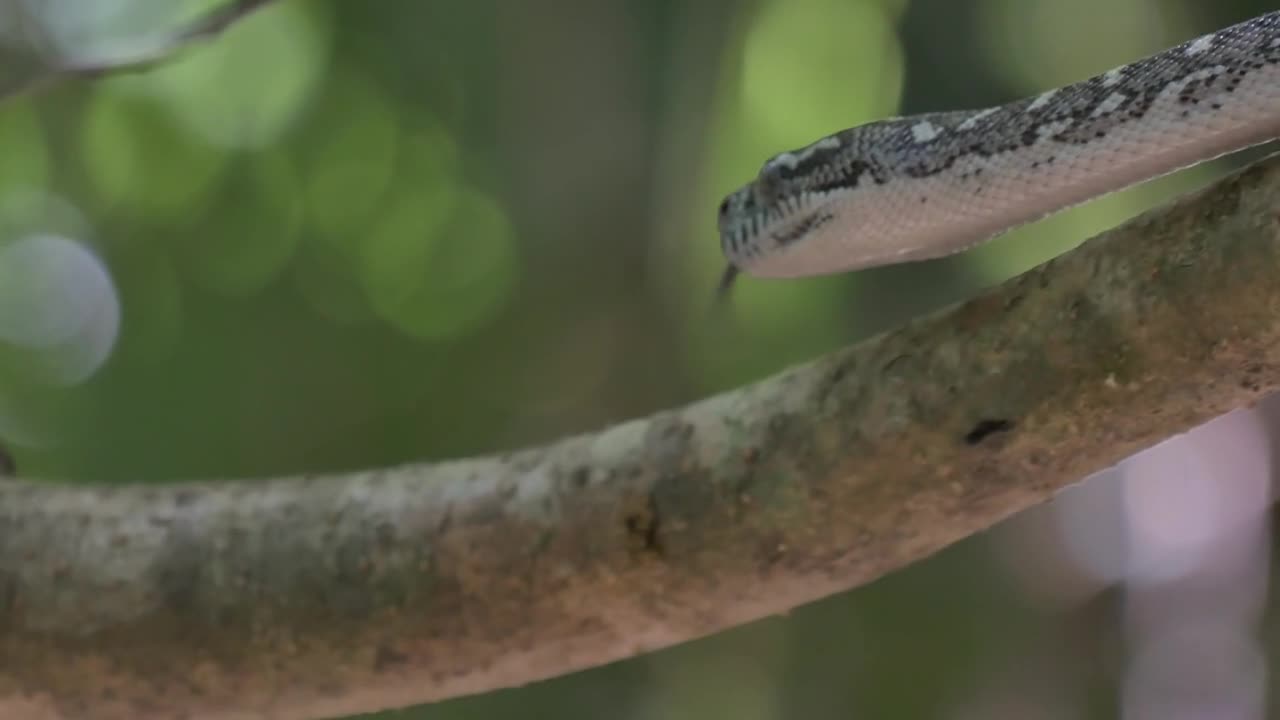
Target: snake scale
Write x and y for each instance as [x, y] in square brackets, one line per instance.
[925, 186]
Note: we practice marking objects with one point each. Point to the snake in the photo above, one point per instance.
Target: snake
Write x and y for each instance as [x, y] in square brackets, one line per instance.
[924, 186]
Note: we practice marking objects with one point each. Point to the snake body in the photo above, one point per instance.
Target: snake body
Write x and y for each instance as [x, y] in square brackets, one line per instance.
[929, 185]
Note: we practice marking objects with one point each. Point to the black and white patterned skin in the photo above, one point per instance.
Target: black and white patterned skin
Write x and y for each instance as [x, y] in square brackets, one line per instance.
[926, 186]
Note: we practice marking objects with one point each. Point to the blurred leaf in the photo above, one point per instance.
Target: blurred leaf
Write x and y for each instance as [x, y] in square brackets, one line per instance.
[250, 86]
[435, 275]
[141, 160]
[42, 42]
[348, 152]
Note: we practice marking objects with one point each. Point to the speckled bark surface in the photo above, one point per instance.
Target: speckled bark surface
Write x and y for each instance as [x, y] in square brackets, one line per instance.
[319, 597]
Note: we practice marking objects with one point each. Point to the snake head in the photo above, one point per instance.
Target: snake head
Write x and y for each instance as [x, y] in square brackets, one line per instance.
[736, 223]
[754, 218]
[745, 212]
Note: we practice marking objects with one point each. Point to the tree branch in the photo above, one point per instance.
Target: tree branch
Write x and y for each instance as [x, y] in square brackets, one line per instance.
[322, 596]
[29, 70]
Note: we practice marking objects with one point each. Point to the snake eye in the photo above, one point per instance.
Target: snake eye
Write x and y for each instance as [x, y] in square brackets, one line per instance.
[724, 207]
[768, 185]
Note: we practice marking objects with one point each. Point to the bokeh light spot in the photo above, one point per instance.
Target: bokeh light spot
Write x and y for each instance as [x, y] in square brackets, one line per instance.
[246, 89]
[436, 275]
[798, 52]
[57, 298]
[347, 155]
[140, 159]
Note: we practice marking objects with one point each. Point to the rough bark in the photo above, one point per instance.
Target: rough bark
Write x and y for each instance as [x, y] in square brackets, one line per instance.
[323, 596]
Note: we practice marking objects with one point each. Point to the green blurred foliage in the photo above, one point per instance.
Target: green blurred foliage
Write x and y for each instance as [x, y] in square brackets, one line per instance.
[141, 161]
[352, 234]
[23, 146]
